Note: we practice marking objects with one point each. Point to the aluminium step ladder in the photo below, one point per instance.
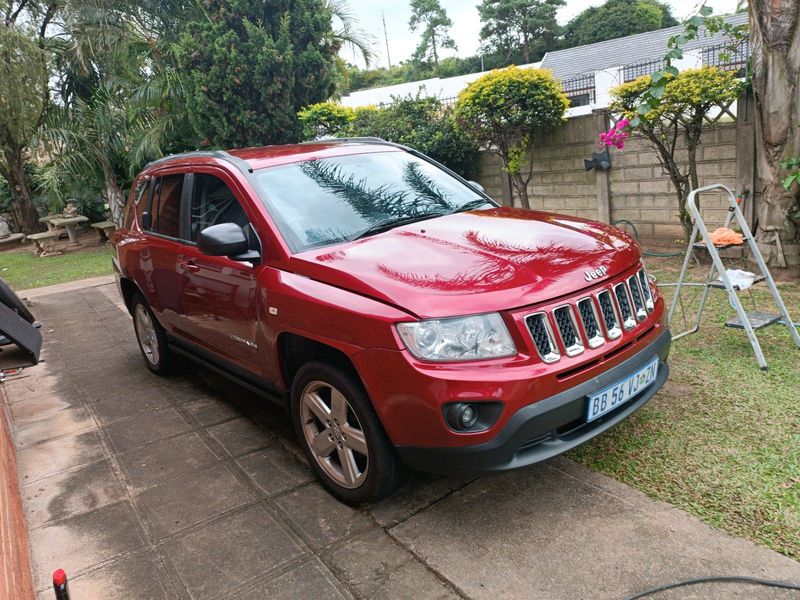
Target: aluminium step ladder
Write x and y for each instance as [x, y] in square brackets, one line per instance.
[751, 321]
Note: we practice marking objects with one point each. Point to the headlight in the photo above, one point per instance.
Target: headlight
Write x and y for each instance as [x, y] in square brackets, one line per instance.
[461, 338]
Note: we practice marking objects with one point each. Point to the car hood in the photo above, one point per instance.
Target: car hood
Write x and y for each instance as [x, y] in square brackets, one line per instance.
[473, 262]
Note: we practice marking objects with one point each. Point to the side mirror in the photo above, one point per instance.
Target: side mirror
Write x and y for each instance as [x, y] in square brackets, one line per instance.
[226, 239]
[477, 185]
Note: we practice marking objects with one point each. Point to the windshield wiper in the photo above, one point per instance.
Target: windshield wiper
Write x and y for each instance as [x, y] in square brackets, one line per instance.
[391, 224]
[471, 205]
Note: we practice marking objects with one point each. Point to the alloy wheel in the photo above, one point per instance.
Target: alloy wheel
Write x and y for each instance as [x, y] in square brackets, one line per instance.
[334, 434]
[146, 332]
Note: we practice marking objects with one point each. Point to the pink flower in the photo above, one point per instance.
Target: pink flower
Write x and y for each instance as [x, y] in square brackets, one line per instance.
[615, 136]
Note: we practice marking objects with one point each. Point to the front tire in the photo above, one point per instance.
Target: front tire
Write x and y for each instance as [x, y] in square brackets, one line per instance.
[342, 436]
[151, 337]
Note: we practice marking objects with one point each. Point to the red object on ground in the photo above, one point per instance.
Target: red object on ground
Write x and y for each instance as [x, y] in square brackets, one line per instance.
[483, 338]
[60, 585]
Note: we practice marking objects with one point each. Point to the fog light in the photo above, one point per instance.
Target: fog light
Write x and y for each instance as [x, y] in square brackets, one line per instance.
[462, 416]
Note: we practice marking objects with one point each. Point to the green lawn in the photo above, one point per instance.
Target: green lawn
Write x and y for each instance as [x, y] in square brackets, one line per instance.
[22, 270]
[722, 439]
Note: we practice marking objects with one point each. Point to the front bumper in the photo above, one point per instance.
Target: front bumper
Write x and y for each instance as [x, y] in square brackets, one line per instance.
[546, 428]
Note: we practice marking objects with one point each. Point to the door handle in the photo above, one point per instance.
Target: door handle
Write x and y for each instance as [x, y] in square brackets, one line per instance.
[188, 266]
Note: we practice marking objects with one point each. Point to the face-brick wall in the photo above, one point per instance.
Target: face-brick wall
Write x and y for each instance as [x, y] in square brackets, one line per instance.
[638, 189]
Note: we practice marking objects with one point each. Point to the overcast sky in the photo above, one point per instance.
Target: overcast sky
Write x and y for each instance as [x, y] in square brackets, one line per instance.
[466, 23]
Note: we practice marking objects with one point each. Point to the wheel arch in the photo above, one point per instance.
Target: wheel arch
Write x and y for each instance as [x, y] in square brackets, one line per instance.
[295, 350]
[128, 289]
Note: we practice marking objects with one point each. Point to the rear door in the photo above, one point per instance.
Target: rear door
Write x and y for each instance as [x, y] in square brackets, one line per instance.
[219, 296]
[158, 275]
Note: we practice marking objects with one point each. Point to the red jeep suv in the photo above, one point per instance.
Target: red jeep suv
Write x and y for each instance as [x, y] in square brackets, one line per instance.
[400, 314]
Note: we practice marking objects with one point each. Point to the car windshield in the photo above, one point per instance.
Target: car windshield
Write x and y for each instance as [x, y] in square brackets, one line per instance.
[325, 201]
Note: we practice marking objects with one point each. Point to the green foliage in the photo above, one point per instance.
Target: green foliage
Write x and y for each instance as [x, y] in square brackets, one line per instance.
[684, 98]
[792, 165]
[248, 70]
[617, 18]
[526, 27]
[503, 110]
[23, 87]
[435, 26]
[324, 119]
[651, 95]
[420, 123]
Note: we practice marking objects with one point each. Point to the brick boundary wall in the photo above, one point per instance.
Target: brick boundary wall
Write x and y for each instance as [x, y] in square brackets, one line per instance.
[16, 581]
[636, 188]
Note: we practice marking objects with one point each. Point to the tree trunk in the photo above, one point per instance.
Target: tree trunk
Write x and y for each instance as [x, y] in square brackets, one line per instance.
[114, 195]
[435, 53]
[23, 210]
[775, 43]
[521, 187]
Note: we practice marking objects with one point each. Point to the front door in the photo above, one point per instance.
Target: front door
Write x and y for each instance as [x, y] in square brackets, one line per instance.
[219, 295]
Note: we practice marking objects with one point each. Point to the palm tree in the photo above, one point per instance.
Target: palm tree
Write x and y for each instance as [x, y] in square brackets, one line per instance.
[346, 31]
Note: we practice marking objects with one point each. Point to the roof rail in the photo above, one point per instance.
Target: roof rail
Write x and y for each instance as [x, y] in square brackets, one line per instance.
[221, 154]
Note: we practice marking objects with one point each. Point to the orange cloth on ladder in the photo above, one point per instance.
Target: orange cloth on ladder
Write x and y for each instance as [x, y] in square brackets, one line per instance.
[723, 236]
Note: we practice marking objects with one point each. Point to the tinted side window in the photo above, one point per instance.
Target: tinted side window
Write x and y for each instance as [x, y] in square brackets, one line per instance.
[213, 202]
[166, 208]
[137, 202]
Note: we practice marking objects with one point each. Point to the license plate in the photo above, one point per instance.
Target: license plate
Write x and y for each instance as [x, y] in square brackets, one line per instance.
[622, 391]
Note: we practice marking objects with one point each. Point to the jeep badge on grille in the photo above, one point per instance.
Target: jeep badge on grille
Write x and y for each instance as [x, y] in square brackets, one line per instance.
[590, 275]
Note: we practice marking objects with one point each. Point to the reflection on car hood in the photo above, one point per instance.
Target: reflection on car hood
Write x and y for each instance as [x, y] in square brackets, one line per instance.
[473, 262]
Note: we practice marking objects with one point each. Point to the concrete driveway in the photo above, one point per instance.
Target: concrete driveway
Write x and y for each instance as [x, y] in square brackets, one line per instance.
[188, 487]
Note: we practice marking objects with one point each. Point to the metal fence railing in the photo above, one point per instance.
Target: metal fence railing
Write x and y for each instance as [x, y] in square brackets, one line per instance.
[636, 70]
[580, 90]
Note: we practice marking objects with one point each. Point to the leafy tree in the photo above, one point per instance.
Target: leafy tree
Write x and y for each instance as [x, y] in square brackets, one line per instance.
[24, 98]
[504, 110]
[617, 18]
[249, 67]
[435, 36]
[325, 119]
[421, 123]
[679, 116]
[513, 25]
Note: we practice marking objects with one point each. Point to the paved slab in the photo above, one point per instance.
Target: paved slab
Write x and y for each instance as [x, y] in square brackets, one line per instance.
[189, 487]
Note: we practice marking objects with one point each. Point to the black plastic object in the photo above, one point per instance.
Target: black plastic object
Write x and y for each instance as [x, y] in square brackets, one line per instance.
[225, 239]
[600, 161]
[12, 301]
[21, 332]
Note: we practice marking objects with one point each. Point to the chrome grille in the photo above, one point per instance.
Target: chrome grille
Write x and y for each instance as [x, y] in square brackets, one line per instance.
[624, 304]
[568, 329]
[590, 322]
[645, 284]
[543, 337]
[600, 317]
[636, 294]
[609, 315]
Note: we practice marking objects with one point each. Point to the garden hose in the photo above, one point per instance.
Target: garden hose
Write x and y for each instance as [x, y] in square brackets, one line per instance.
[715, 579]
[635, 234]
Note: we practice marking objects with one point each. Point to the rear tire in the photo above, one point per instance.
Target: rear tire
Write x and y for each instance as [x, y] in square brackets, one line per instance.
[342, 436]
[151, 337]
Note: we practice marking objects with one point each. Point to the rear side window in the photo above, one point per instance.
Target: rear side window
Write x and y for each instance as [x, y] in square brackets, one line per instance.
[166, 207]
[137, 202]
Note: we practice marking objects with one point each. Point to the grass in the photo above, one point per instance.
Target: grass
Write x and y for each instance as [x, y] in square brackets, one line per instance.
[23, 271]
[721, 440]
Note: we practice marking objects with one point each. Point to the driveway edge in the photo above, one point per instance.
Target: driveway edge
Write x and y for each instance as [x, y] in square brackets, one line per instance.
[16, 579]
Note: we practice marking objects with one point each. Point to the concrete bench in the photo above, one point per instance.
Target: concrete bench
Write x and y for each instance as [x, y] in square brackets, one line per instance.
[11, 239]
[104, 229]
[45, 242]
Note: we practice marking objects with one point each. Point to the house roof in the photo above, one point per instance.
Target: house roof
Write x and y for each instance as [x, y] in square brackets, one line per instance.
[631, 49]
